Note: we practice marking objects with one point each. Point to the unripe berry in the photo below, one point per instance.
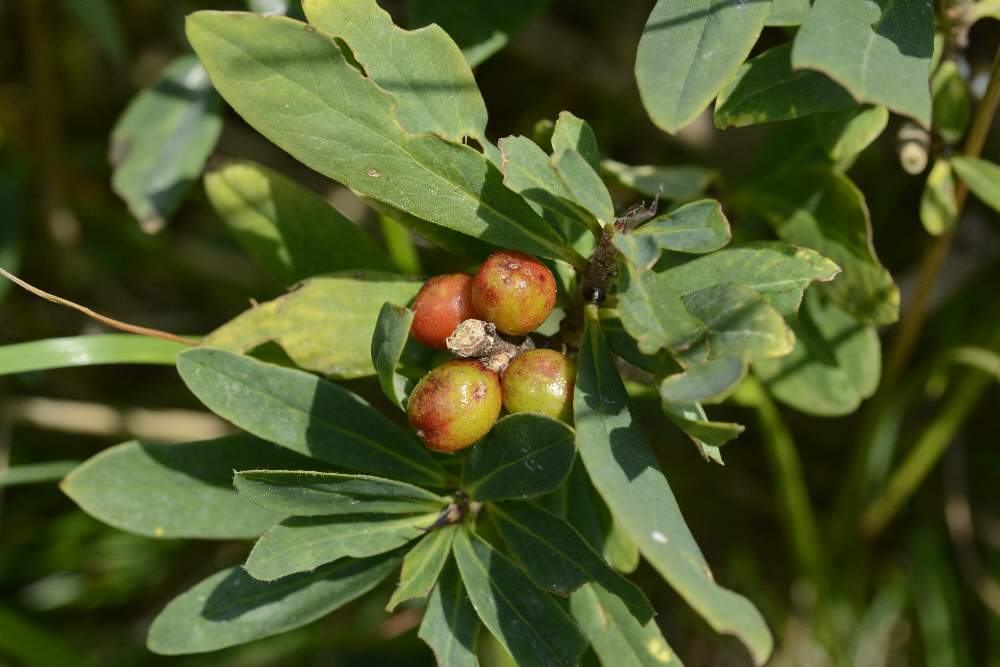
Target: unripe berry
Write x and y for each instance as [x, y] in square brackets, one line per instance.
[540, 381]
[455, 405]
[441, 304]
[514, 291]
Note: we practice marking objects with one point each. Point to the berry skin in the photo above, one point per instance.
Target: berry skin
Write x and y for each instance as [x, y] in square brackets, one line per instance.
[540, 381]
[455, 405]
[514, 291]
[441, 304]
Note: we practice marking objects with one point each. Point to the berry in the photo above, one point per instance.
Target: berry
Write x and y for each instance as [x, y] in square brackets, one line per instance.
[514, 291]
[455, 405]
[441, 304]
[540, 381]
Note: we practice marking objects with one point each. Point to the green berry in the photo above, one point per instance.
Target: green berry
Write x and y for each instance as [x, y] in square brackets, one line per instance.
[455, 405]
[514, 291]
[441, 304]
[540, 381]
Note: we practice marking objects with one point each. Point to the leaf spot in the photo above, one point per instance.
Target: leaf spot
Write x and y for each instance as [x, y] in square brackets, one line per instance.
[374, 173]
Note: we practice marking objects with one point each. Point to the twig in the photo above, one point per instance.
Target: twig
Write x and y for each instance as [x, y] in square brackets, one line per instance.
[477, 339]
[910, 326]
[116, 324]
[913, 319]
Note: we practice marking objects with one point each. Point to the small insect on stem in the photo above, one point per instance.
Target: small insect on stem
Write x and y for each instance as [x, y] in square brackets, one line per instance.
[604, 259]
[453, 513]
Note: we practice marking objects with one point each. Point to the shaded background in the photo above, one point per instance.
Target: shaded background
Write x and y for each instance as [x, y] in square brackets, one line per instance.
[74, 591]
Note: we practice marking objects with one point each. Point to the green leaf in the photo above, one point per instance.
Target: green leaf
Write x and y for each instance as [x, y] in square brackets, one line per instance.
[392, 329]
[481, 28]
[304, 493]
[673, 183]
[326, 325]
[688, 51]
[593, 520]
[76, 351]
[982, 177]
[880, 51]
[575, 133]
[788, 12]
[614, 450]
[938, 208]
[306, 414]
[231, 608]
[845, 134]
[529, 624]
[423, 69]
[584, 183]
[177, 490]
[292, 83]
[709, 382]
[698, 227]
[708, 436]
[952, 106]
[740, 324]
[653, 314]
[836, 362]
[292, 232]
[557, 558]
[450, 624]
[454, 242]
[300, 544]
[525, 455]
[823, 210]
[528, 172]
[35, 473]
[766, 89]
[641, 250]
[659, 364]
[160, 143]
[777, 271]
[422, 565]
[614, 634]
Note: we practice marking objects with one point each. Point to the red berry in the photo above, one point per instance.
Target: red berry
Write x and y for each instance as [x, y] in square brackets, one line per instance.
[441, 304]
[540, 381]
[455, 405]
[514, 291]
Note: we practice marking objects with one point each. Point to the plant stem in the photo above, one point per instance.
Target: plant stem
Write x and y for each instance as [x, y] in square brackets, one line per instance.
[104, 319]
[913, 319]
[910, 326]
[399, 245]
[786, 469]
[925, 453]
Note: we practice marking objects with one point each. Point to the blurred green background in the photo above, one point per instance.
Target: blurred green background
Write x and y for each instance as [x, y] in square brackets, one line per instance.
[76, 592]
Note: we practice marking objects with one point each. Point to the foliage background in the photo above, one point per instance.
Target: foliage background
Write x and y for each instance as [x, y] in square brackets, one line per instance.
[74, 591]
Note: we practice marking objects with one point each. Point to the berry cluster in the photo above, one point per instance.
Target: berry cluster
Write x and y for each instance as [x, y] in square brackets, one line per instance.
[458, 402]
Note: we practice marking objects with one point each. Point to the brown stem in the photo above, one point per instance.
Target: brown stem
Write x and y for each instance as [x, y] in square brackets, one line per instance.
[913, 319]
[477, 339]
[911, 324]
[116, 324]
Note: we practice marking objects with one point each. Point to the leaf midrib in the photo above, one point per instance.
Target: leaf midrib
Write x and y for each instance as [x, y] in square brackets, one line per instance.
[552, 245]
[321, 419]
